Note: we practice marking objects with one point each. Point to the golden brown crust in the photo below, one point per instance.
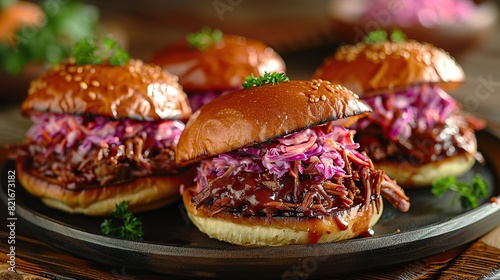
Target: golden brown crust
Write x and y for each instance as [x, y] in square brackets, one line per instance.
[144, 194]
[257, 114]
[421, 176]
[370, 68]
[277, 231]
[222, 66]
[134, 90]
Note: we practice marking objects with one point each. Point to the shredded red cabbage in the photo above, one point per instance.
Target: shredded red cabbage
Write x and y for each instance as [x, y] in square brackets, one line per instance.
[198, 99]
[399, 113]
[62, 132]
[314, 145]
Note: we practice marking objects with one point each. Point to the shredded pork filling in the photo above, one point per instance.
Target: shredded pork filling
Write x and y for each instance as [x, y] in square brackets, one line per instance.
[80, 152]
[314, 172]
[420, 125]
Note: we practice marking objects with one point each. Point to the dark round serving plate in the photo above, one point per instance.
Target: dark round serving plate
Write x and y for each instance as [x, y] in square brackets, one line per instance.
[174, 246]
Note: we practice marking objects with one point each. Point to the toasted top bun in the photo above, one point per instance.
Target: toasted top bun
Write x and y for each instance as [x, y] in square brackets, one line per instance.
[222, 66]
[371, 68]
[257, 114]
[134, 90]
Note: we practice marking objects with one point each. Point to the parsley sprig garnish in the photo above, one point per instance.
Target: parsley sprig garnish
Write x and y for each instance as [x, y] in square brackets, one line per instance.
[129, 226]
[379, 36]
[204, 39]
[469, 194]
[267, 78]
[89, 51]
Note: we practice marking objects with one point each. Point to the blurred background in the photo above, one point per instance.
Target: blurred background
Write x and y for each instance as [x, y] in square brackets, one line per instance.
[36, 34]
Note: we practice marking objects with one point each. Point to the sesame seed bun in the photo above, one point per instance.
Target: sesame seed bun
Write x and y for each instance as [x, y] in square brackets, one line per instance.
[230, 206]
[387, 67]
[368, 69]
[135, 90]
[257, 114]
[222, 66]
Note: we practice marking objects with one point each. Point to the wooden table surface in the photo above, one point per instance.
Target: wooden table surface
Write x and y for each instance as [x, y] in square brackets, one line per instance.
[480, 259]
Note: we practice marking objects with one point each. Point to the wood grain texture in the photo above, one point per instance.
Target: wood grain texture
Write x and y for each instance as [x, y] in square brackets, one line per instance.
[37, 260]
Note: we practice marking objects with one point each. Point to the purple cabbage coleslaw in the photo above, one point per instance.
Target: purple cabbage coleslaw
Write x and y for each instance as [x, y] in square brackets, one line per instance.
[63, 132]
[420, 108]
[198, 99]
[315, 145]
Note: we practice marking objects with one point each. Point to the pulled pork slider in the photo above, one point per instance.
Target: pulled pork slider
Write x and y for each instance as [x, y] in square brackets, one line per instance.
[103, 134]
[416, 132]
[279, 167]
[210, 63]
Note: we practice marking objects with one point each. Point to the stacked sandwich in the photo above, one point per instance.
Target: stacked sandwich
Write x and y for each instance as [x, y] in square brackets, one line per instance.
[278, 166]
[417, 132]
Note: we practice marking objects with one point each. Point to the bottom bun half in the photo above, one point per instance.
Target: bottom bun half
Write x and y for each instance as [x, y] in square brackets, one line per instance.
[418, 176]
[143, 194]
[276, 231]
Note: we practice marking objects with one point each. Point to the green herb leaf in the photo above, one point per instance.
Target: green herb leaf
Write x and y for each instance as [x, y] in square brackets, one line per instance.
[204, 39]
[130, 227]
[376, 36]
[470, 194]
[398, 36]
[379, 36]
[267, 78]
[87, 51]
[120, 57]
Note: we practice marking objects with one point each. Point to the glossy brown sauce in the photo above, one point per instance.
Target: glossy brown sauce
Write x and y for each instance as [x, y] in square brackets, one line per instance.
[262, 194]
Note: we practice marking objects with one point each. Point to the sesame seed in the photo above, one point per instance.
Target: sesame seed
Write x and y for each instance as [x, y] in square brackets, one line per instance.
[316, 99]
[41, 85]
[92, 95]
[77, 78]
[68, 78]
[323, 97]
[71, 69]
[329, 87]
[311, 99]
[79, 70]
[83, 85]
[95, 83]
